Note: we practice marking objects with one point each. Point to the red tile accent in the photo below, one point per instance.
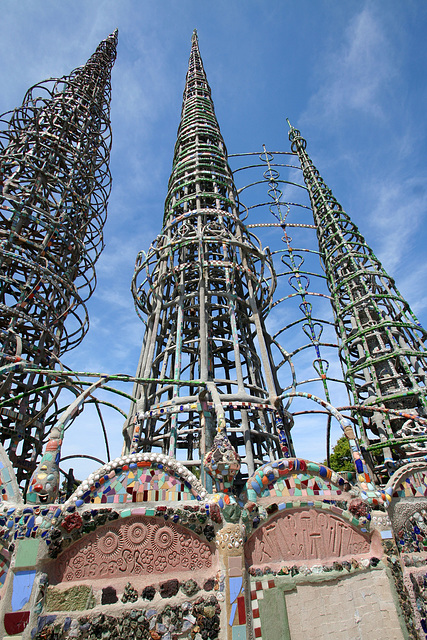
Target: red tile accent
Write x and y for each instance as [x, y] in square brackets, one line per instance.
[253, 595]
[258, 633]
[16, 622]
[241, 609]
[258, 585]
[271, 584]
[255, 613]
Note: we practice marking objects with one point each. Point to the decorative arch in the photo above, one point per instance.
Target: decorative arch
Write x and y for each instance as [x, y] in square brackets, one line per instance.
[294, 477]
[409, 481]
[139, 477]
[308, 535]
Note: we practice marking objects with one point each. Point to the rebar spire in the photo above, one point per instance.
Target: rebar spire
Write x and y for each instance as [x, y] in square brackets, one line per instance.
[205, 287]
[55, 184]
[198, 148]
[382, 351]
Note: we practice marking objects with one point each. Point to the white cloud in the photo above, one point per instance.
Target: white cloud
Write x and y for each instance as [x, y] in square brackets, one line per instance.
[355, 72]
[399, 209]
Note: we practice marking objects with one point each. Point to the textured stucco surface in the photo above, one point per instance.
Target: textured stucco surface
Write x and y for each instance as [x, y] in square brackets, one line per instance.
[356, 608]
[75, 599]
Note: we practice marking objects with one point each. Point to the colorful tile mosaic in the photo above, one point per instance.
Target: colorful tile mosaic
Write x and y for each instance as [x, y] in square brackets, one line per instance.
[222, 462]
[413, 536]
[303, 485]
[139, 483]
[237, 619]
[199, 618]
[414, 485]
[4, 566]
[294, 477]
[257, 594]
[139, 477]
[20, 523]
[49, 523]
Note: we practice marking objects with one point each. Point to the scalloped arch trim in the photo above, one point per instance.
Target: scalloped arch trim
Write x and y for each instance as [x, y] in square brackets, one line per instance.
[409, 481]
[294, 477]
[139, 477]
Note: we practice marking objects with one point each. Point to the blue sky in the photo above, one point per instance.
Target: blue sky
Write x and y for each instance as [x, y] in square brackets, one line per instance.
[350, 75]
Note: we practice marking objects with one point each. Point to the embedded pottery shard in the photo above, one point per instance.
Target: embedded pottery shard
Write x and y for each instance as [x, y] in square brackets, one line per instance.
[222, 462]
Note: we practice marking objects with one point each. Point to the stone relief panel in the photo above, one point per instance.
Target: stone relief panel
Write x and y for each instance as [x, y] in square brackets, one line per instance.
[131, 547]
[306, 535]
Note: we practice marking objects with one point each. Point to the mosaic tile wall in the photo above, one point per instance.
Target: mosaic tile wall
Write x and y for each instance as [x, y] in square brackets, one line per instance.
[413, 536]
[237, 618]
[4, 566]
[294, 477]
[414, 485]
[143, 503]
[301, 485]
[139, 483]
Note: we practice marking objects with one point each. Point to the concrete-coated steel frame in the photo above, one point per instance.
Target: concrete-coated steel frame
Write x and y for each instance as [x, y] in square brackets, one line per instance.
[205, 288]
[381, 341]
[55, 183]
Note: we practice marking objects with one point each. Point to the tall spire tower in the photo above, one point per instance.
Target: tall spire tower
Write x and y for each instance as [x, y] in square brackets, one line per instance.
[382, 351]
[146, 546]
[55, 183]
[205, 287]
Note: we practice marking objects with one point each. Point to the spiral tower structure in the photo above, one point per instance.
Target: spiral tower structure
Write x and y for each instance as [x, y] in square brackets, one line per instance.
[205, 287]
[55, 183]
[381, 341]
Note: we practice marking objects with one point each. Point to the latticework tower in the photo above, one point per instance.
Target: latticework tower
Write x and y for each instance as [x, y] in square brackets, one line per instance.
[55, 183]
[277, 207]
[146, 546]
[205, 287]
[381, 341]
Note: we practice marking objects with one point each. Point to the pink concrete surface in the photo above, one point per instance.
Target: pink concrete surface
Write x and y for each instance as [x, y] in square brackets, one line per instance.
[133, 547]
[303, 536]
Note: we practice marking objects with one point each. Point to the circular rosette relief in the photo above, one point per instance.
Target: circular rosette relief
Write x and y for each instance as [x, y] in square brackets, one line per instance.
[163, 539]
[109, 543]
[136, 535]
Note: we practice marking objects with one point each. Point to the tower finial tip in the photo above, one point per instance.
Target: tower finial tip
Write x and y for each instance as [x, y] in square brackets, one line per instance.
[113, 37]
[194, 36]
